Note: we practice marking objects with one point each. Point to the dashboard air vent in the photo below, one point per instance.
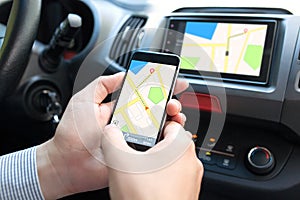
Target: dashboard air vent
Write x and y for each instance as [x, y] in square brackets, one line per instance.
[127, 40]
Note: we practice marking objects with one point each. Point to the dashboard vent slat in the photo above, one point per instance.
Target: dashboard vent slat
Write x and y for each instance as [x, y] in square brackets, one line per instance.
[126, 40]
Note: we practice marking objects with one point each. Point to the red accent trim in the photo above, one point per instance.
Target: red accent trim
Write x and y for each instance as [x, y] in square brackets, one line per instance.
[68, 55]
[201, 101]
[267, 155]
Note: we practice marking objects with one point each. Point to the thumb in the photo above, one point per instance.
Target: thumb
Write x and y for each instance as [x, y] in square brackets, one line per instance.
[119, 156]
[112, 143]
[113, 138]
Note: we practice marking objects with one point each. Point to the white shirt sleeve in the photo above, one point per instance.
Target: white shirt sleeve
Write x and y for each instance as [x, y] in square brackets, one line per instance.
[19, 177]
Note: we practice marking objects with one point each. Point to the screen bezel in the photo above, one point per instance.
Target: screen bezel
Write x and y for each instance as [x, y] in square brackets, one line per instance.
[178, 24]
[153, 57]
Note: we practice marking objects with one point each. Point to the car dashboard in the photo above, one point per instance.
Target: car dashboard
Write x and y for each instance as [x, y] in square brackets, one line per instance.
[244, 117]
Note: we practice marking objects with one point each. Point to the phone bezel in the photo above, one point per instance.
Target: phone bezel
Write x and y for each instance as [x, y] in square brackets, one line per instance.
[154, 57]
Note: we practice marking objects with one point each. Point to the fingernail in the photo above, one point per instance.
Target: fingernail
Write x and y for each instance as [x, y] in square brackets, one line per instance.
[183, 117]
[109, 126]
[179, 106]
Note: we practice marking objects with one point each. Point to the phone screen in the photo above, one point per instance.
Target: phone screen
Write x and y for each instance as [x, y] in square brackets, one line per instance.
[140, 108]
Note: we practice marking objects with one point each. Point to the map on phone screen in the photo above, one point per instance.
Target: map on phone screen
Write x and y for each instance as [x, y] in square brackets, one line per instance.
[141, 105]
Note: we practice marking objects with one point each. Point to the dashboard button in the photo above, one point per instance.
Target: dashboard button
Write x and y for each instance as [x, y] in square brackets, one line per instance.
[207, 157]
[230, 148]
[227, 148]
[226, 162]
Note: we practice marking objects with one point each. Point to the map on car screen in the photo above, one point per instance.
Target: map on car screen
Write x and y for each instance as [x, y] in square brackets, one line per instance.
[141, 104]
[223, 47]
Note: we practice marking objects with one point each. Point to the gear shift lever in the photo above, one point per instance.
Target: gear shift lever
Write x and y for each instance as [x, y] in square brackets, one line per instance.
[51, 57]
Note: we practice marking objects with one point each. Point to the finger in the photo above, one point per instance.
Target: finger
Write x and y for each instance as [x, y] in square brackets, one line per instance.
[113, 138]
[170, 132]
[107, 85]
[179, 118]
[171, 129]
[173, 107]
[115, 149]
[180, 86]
[119, 156]
[105, 111]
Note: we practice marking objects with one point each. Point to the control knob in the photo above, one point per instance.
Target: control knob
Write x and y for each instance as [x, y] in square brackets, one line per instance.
[260, 160]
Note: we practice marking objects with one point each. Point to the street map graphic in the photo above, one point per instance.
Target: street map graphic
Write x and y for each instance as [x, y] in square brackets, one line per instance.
[223, 47]
[140, 107]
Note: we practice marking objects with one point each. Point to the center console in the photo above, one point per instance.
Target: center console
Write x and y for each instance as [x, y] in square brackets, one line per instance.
[242, 68]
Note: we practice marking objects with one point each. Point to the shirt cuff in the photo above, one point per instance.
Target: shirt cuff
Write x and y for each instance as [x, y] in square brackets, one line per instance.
[19, 177]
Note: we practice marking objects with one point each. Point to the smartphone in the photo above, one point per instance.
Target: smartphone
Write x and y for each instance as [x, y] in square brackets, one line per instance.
[140, 110]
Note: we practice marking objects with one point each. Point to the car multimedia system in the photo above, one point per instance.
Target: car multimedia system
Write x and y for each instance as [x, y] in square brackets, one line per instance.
[237, 49]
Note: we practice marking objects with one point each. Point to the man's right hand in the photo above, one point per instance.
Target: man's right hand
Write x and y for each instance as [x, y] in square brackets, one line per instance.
[179, 180]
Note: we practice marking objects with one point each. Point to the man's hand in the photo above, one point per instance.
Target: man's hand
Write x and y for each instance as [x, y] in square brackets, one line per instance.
[179, 180]
[71, 162]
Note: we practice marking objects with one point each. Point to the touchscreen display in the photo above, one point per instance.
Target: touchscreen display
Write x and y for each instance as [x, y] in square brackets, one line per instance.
[223, 47]
[141, 105]
[238, 50]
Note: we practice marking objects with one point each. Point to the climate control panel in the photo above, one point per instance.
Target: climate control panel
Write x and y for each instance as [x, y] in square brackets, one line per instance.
[244, 153]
